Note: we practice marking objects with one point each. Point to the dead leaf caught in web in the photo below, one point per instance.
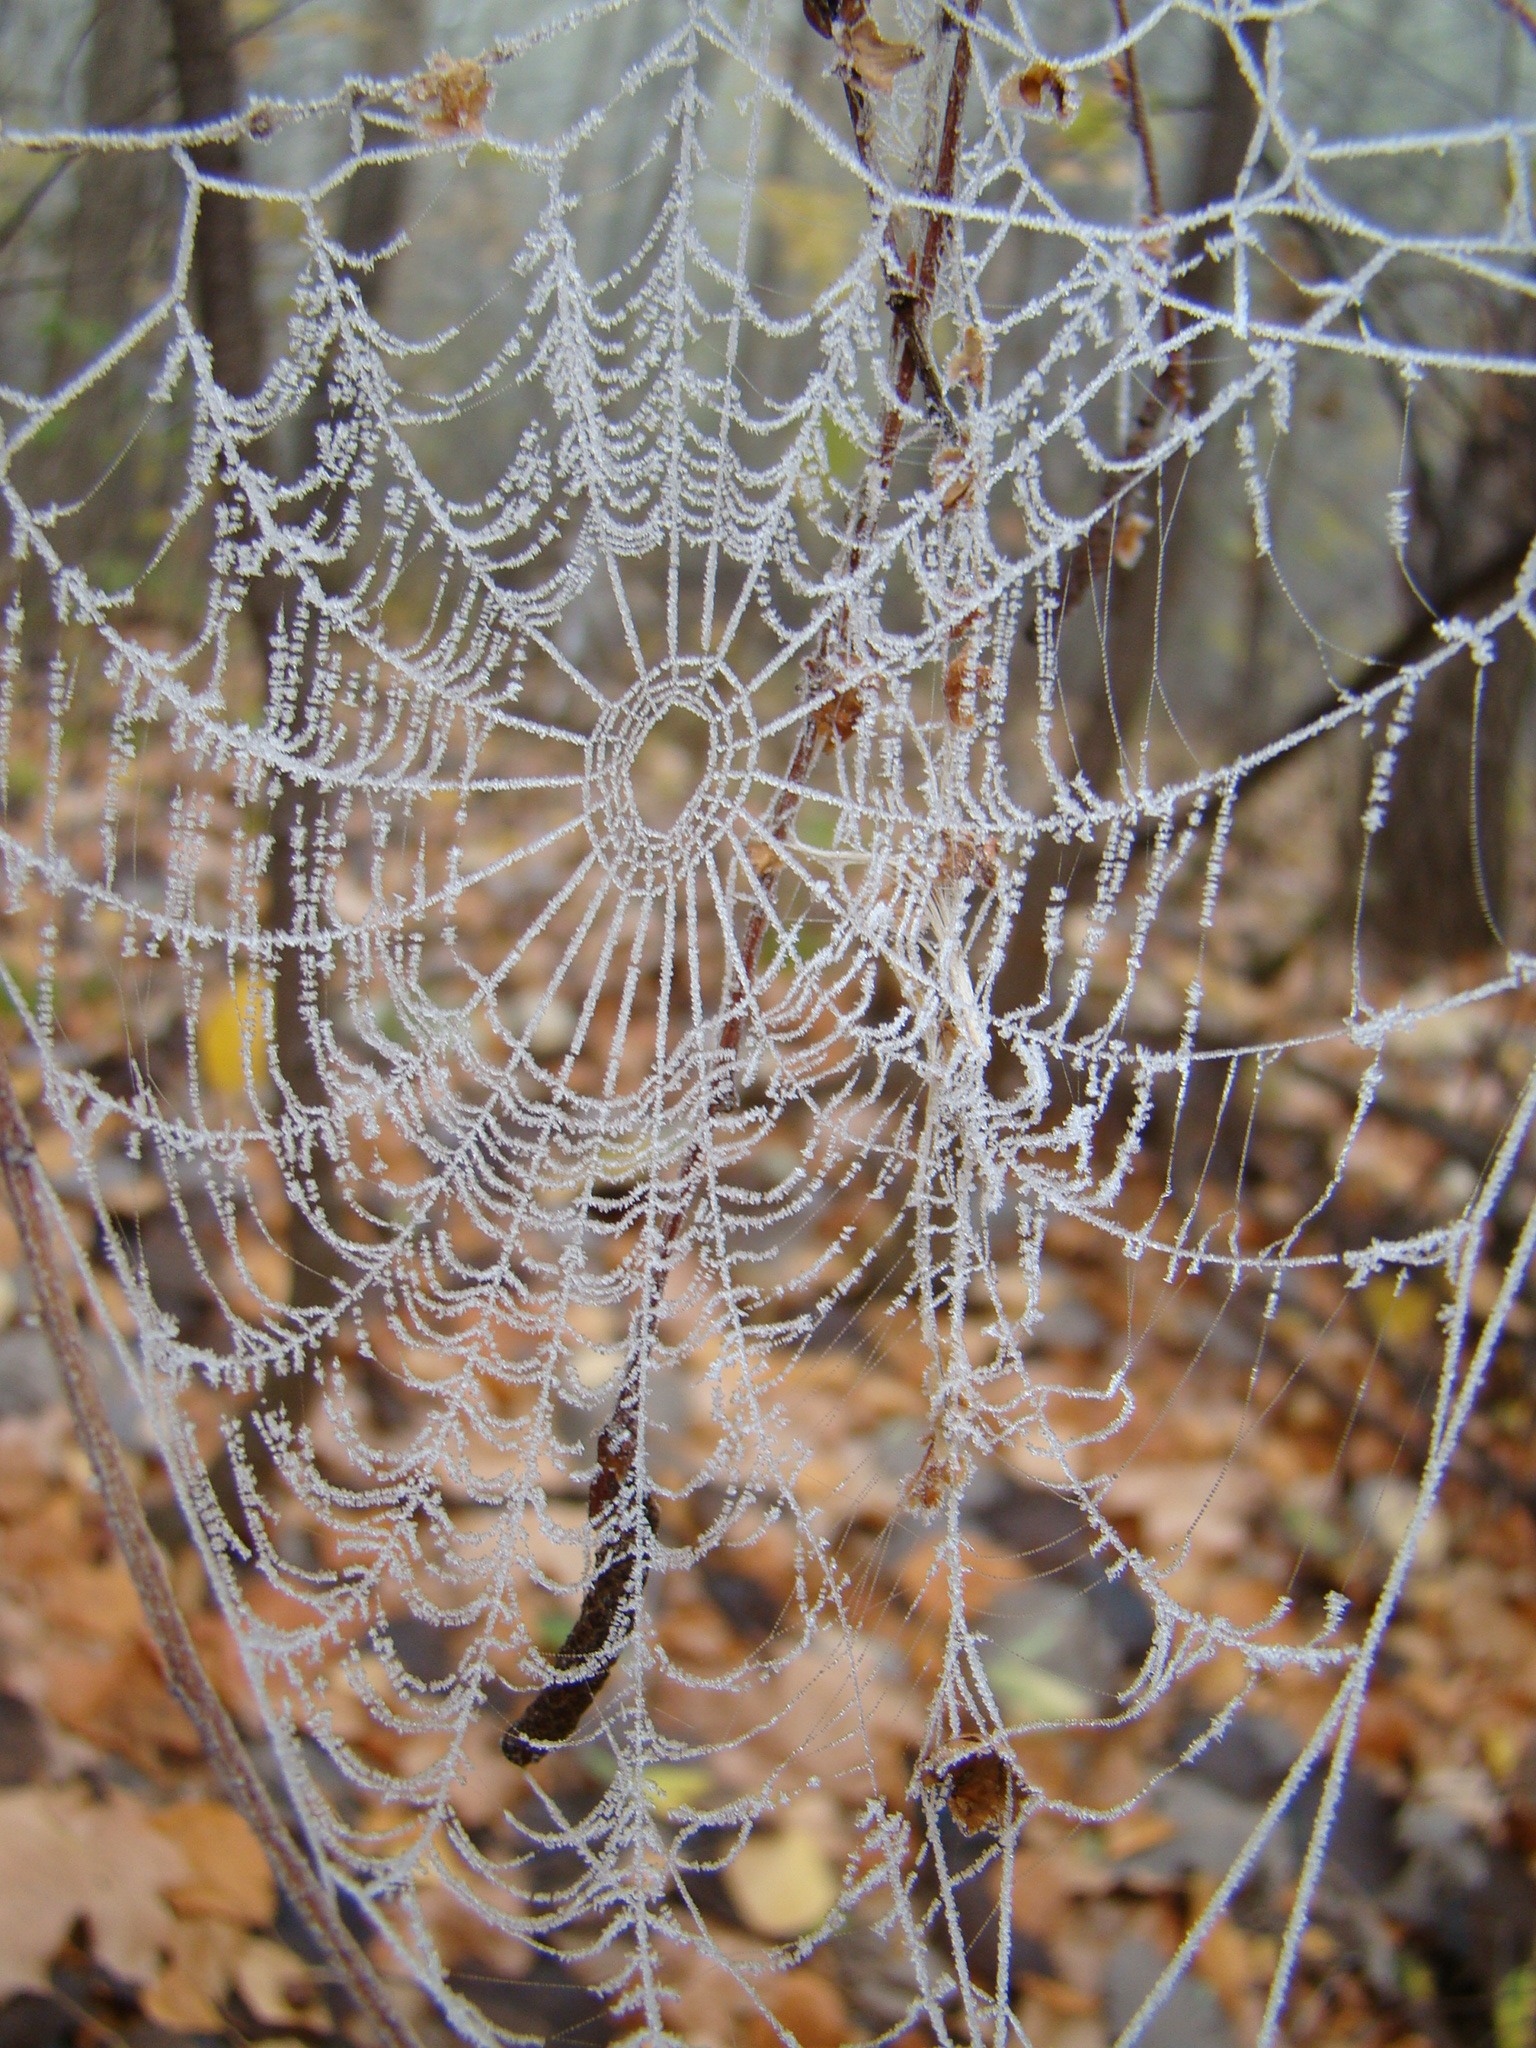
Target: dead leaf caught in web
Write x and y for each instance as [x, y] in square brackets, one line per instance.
[1042, 90]
[874, 59]
[453, 94]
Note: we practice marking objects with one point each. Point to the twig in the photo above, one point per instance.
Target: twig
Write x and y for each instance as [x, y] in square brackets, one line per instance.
[1521, 12]
[168, 1630]
[1170, 389]
[615, 1505]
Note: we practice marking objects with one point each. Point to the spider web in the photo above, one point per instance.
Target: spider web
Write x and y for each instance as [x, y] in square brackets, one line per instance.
[725, 994]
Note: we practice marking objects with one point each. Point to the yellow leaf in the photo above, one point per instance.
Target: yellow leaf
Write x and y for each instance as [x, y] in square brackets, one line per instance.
[782, 1883]
[668, 1786]
[230, 1879]
[816, 228]
[1400, 1315]
[232, 1023]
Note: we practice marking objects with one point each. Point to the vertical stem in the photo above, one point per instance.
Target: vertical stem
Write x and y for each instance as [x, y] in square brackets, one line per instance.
[183, 1667]
[612, 1598]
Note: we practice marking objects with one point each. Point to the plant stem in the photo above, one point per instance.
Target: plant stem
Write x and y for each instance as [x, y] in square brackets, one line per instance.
[611, 1602]
[142, 1555]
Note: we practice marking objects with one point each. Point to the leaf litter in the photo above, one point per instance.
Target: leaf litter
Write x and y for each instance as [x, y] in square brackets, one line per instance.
[128, 1887]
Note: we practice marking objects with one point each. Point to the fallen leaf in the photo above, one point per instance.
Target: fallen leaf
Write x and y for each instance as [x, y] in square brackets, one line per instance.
[808, 2007]
[875, 60]
[122, 1705]
[278, 1989]
[1042, 90]
[230, 1879]
[1033, 1692]
[91, 1600]
[232, 1027]
[782, 1883]
[1134, 1833]
[668, 1786]
[65, 1860]
[187, 1994]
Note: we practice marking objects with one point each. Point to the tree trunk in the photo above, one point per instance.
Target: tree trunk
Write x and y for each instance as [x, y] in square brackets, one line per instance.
[229, 312]
[1437, 883]
[120, 205]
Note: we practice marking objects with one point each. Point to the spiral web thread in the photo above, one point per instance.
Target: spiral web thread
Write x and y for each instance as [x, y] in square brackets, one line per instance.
[661, 815]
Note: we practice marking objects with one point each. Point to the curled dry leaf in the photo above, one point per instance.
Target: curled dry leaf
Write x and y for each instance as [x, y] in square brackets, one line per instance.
[1041, 90]
[954, 476]
[965, 680]
[968, 363]
[453, 94]
[839, 719]
[874, 59]
[962, 856]
[765, 858]
[983, 1788]
[1131, 530]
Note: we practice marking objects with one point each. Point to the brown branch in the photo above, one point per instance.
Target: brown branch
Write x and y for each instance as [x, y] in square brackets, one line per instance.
[1519, 11]
[1170, 390]
[611, 1603]
[146, 1565]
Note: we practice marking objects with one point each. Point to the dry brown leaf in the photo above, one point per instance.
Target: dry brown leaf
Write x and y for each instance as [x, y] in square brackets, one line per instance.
[453, 94]
[957, 688]
[807, 2006]
[876, 61]
[187, 1994]
[278, 1989]
[954, 477]
[1131, 530]
[839, 719]
[91, 1600]
[67, 1857]
[983, 1788]
[1134, 1833]
[122, 1705]
[230, 1879]
[1042, 90]
[782, 1883]
[968, 363]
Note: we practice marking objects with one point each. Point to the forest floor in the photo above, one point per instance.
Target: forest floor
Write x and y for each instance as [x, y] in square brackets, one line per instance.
[135, 1907]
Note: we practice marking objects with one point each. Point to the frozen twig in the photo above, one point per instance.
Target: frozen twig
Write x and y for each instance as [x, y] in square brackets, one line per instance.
[184, 1671]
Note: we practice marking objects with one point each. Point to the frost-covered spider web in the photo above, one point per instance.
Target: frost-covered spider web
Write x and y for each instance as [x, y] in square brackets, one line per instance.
[626, 941]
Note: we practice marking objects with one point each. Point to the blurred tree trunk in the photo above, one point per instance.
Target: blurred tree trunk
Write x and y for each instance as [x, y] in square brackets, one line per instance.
[1437, 884]
[229, 312]
[1135, 605]
[1128, 612]
[119, 210]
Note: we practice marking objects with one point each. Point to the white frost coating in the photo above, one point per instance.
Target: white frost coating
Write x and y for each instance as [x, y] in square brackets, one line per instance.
[705, 967]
